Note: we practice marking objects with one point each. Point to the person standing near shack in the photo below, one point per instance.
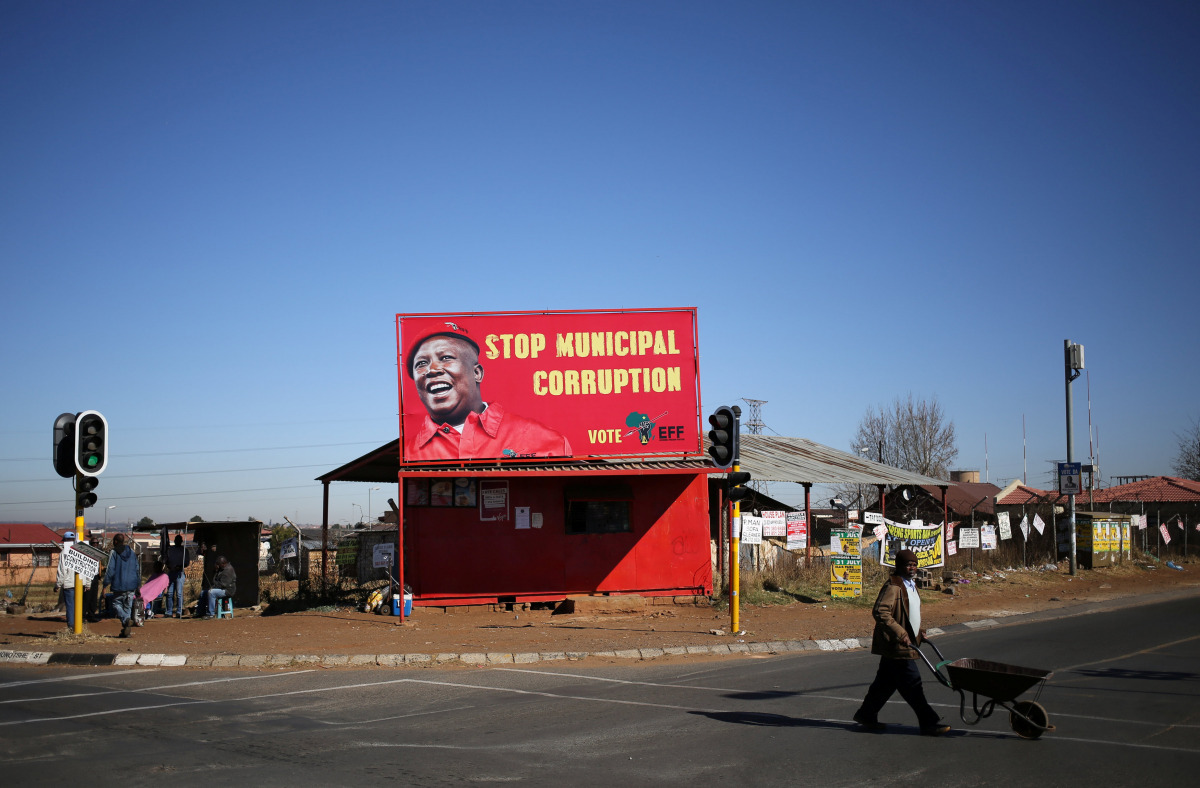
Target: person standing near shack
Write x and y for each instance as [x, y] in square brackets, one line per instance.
[896, 638]
[123, 576]
[177, 561]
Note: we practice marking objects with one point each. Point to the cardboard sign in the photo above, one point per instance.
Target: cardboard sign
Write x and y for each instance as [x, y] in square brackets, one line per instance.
[968, 537]
[80, 564]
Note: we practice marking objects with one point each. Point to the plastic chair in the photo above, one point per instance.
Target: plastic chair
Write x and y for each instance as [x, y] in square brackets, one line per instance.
[224, 608]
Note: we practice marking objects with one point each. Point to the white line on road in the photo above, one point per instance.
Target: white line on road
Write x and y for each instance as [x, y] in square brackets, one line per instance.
[152, 689]
[80, 677]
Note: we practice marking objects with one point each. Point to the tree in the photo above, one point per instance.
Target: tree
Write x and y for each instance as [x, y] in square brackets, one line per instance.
[1187, 461]
[910, 434]
[196, 519]
[145, 522]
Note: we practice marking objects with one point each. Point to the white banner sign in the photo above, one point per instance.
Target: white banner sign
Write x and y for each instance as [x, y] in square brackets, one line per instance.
[797, 530]
[1025, 528]
[1039, 523]
[751, 529]
[383, 556]
[987, 537]
[1166, 535]
[872, 518]
[774, 523]
[968, 537]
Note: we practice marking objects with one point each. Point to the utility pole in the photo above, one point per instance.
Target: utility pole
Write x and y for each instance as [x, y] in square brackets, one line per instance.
[1073, 363]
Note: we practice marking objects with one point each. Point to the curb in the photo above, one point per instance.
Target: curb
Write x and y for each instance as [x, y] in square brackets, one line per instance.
[483, 659]
[419, 660]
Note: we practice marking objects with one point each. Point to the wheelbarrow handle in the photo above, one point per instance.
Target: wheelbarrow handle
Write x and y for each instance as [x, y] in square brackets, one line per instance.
[936, 669]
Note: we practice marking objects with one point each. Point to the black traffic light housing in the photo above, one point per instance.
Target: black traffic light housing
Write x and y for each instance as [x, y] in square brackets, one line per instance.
[64, 445]
[91, 443]
[84, 491]
[723, 437]
[734, 489]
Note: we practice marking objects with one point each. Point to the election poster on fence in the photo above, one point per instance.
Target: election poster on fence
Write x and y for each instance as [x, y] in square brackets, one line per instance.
[927, 541]
[845, 577]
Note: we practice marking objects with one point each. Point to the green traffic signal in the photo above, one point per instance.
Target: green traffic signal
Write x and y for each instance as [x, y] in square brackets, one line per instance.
[91, 437]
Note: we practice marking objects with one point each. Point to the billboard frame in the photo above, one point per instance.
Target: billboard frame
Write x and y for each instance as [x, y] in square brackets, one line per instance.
[689, 451]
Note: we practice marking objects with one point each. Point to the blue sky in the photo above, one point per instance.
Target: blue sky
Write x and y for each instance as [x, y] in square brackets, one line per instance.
[211, 214]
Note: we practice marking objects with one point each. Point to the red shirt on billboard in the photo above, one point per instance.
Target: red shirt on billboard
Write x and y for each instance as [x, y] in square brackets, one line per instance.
[493, 433]
[445, 367]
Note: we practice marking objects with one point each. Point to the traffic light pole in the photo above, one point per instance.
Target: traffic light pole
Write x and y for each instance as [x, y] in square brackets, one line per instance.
[735, 563]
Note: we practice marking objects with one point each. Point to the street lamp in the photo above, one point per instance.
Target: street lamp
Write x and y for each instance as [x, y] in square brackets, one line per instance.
[114, 506]
[369, 502]
[360, 512]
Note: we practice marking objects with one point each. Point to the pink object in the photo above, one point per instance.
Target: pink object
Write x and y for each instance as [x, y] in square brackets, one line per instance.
[154, 587]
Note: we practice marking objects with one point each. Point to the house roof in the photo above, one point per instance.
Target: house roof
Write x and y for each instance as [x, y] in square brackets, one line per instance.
[26, 534]
[1157, 489]
[1016, 494]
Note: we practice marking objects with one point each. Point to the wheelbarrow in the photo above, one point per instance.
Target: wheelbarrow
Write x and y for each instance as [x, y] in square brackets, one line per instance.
[999, 685]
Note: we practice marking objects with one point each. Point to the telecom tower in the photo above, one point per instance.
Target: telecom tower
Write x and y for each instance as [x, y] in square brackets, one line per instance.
[753, 425]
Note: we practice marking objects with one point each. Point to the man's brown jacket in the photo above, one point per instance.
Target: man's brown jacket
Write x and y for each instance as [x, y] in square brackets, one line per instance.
[891, 621]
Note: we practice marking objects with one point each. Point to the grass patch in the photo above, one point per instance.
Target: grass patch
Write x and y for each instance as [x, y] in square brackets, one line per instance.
[787, 582]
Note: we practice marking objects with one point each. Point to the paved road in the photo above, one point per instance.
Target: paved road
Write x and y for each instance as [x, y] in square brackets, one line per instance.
[1124, 697]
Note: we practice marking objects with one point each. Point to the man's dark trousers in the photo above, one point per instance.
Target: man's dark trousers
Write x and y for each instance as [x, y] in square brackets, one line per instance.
[898, 675]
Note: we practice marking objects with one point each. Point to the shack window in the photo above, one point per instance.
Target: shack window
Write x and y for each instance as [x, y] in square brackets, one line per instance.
[598, 509]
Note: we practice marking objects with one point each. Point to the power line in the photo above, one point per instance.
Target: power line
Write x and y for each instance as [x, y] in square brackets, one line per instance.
[176, 473]
[210, 451]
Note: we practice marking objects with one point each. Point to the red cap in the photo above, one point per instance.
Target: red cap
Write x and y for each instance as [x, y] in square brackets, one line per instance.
[446, 329]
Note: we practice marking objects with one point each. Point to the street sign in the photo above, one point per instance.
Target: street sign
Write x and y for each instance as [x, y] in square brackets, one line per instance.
[1070, 478]
[80, 564]
[873, 518]
[89, 551]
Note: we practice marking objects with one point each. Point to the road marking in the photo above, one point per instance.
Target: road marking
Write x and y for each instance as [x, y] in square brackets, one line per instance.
[152, 689]
[395, 717]
[77, 678]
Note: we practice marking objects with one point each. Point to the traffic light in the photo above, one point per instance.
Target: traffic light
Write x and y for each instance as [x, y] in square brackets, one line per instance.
[723, 437]
[64, 445]
[91, 438]
[734, 489]
[84, 495]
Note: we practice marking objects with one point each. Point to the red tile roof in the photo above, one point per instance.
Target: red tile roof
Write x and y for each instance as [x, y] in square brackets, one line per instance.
[1158, 489]
[1023, 494]
[27, 533]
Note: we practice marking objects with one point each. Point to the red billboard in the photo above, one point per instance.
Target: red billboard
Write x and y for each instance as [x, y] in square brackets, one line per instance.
[520, 385]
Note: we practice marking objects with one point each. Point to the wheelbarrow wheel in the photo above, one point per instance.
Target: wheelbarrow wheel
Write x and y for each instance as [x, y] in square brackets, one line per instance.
[1032, 712]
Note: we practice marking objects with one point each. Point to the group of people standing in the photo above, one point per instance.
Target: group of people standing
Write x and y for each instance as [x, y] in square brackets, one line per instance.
[130, 596]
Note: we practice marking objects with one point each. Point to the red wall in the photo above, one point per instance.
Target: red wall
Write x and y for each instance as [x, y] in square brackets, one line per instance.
[451, 556]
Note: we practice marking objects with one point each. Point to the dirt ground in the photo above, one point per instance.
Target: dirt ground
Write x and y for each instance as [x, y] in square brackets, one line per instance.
[480, 629]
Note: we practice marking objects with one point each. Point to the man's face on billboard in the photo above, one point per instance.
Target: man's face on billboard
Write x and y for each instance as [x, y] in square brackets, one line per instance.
[448, 373]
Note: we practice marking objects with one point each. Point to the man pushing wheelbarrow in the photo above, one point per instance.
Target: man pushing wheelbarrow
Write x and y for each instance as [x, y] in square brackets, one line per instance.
[896, 640]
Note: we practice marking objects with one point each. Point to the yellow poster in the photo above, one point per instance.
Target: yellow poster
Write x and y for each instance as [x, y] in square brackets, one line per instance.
[845, 578]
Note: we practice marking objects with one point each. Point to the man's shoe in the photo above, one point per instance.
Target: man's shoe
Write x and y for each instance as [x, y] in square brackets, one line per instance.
[868, 724]
[207, 618]
[935, 730]
[124, 629]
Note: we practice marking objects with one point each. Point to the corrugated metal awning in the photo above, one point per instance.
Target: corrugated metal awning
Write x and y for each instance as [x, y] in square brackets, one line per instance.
[779, 459]
[767, 458]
